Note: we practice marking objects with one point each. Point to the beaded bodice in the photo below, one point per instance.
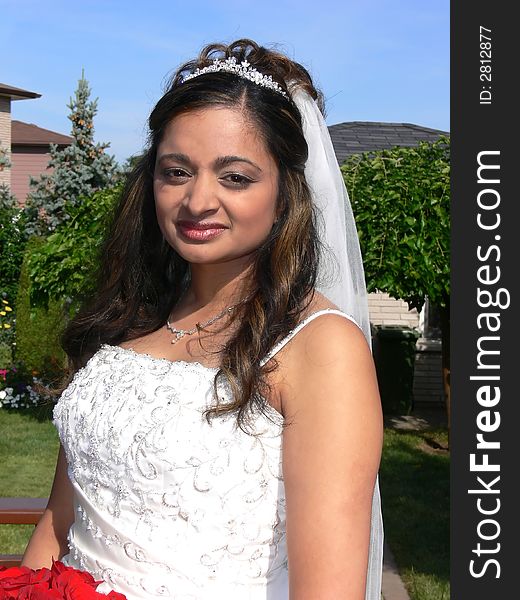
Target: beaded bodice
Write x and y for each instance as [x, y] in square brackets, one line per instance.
[167, 504]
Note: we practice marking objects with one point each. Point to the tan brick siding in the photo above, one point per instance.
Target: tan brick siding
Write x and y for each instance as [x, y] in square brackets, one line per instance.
[385, 310]
[5, 135]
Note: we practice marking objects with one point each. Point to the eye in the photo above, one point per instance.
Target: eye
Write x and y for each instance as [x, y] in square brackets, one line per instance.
[175, 174]
[237, 180]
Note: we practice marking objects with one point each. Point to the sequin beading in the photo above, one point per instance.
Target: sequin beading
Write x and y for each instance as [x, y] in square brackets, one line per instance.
[166, 504]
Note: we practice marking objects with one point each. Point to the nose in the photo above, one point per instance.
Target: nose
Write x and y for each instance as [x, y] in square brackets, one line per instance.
[202, 196]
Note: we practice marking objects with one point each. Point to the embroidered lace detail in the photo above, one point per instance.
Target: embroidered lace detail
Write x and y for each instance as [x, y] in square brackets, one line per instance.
[167, 504]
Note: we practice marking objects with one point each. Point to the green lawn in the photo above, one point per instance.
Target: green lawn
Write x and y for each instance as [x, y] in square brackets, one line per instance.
[414, 482]
[415, 493]
[29, 448]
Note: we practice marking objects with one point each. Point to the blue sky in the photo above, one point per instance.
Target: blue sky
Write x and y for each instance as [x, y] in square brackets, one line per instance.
[375, 60]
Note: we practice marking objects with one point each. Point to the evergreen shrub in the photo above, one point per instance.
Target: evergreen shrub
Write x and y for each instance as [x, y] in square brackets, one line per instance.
[63, 267]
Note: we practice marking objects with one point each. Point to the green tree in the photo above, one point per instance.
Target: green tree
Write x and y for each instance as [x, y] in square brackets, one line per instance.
[130, 163]
[57, 272]
[401, 199]
[12, 243]
[79, 170]
[63, 267]
[5, 163]
[38, 329]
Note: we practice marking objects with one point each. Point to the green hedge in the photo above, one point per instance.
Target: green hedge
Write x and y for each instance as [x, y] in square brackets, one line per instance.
[56, 272]
[38, 330]
[64, 266]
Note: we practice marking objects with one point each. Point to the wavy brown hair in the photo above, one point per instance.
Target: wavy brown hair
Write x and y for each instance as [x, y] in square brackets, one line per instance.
[141, 277]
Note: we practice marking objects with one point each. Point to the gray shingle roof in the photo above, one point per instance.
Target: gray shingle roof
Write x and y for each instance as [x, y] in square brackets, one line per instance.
[354, 137]
[16, 93]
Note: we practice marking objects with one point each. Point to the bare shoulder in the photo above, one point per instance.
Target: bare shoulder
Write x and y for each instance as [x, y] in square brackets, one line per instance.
[328, 367]
[327, 337]
[331, 453]
[328, 347]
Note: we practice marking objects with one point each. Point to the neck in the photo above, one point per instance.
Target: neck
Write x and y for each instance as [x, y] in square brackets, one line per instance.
[216, 285]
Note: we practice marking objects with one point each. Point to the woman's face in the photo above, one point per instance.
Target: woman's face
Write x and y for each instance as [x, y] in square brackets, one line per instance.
[215, 186]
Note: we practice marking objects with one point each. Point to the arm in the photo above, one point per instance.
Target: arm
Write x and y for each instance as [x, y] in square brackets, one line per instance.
[331, 454]
[49, 539]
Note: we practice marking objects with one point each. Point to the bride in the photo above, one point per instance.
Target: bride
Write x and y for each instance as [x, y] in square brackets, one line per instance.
[221, 431]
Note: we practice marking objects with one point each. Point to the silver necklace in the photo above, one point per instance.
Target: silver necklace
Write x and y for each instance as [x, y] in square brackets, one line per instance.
[180, 333]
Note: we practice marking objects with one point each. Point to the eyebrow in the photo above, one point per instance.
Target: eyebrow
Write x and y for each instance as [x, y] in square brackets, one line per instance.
[221, 161]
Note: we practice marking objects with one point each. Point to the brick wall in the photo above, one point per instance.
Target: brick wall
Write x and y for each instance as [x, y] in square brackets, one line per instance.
[5, 135]
[385, 310]
[427, 380]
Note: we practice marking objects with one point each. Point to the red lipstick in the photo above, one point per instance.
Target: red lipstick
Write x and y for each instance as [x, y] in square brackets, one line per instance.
[200, 231]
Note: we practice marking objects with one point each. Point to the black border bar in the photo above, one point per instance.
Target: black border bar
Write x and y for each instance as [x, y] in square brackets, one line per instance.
[485, 345]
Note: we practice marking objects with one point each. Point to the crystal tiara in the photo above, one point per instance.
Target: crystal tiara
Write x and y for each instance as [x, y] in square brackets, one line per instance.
[243, 69]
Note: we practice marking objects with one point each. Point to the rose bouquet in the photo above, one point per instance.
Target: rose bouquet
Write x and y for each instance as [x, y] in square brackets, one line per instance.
[57, 583]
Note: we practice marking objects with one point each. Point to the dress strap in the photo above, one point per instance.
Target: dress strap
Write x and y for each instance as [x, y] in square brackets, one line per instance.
[300, 326]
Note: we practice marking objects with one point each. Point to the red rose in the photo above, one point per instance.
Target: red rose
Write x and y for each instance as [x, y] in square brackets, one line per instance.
[37, 592]
[58, 570]
[12, 572]
[115, 596]
[57, 583]
[72, 587]
[15, 580]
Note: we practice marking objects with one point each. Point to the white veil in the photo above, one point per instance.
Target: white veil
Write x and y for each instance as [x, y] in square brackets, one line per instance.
[340, 276]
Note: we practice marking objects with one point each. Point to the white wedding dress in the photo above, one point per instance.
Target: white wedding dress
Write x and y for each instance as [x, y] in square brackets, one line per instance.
[167, 505]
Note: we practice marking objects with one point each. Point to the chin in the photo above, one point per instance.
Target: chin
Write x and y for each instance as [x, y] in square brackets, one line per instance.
[211, 252]
[215, 258]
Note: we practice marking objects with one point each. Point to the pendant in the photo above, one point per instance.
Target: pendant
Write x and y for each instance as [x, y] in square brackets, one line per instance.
[178, 336]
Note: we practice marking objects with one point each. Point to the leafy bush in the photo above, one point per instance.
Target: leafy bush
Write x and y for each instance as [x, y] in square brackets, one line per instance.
[401, 200]
[12, 245]
[12, 242]
[38, 329]
[7, 322]
[64, 265]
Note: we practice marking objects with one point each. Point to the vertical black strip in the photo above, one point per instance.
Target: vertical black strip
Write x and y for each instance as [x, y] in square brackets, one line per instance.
[485, 356]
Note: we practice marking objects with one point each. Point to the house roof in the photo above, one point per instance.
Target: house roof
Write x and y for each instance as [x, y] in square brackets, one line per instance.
[355, 137]
[16, 93]
[27, 134]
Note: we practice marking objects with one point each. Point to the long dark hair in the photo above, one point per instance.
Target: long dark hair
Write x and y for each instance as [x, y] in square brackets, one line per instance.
[141, 277]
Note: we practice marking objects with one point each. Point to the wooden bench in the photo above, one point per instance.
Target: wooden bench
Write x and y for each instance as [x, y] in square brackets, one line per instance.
[19, 511]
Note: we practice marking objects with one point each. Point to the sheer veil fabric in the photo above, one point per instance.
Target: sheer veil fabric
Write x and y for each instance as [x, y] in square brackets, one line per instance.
[341, 275]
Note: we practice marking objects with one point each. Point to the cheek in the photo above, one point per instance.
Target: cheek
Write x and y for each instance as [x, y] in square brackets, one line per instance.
[158, 198]
[257, 212]
[261, 208]
[165, 201]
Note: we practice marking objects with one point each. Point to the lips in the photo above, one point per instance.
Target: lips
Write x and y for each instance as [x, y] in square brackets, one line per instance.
[200, 231]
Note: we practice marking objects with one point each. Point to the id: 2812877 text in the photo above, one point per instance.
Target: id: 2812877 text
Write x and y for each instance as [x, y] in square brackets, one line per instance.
[485, 65]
